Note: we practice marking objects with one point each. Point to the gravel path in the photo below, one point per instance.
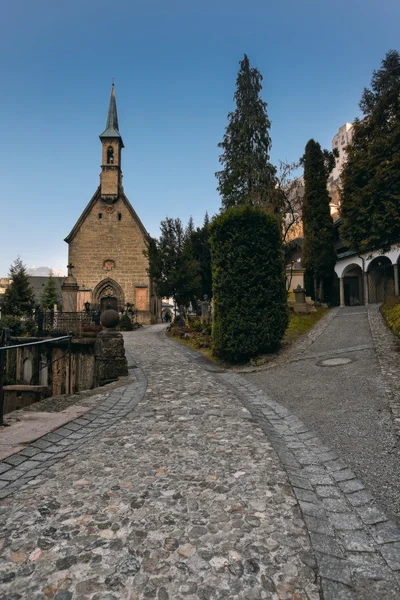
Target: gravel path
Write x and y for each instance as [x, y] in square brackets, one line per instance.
[347, 405]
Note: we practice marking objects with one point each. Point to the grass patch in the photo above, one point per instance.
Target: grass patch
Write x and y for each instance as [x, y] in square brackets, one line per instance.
[391, 313]
[200, 339]
[301, 323]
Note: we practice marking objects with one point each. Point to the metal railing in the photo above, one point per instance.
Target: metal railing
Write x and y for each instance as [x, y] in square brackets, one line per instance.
[61, 323]
[5, 345]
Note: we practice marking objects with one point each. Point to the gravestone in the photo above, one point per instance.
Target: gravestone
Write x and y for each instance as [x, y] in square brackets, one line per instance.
[180, 321]
[69, 290]
[300, 305]
[205, 310]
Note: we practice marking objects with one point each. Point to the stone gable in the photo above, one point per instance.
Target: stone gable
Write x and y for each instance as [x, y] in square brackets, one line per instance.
[106, 245]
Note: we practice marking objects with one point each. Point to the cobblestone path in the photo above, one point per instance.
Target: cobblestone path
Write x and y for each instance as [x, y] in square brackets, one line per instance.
[194, 483]
[169, 493]
[354, 408]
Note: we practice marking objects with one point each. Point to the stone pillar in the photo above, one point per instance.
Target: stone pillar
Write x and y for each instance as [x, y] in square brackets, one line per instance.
[396, 279]
[366, 295]
[110, 360]
[109, 351]
[341, 281]
[360, 289]
[69, 289]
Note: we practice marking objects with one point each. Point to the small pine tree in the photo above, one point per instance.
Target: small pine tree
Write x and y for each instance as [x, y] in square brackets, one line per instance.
[371, 175]
[19, 297]
[49, 295]
[247, 176]
[319, 256]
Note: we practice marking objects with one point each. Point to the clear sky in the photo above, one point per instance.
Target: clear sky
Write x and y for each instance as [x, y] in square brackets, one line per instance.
[174, 63]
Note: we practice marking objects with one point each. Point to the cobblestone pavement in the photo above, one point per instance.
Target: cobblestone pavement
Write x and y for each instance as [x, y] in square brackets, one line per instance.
[18, 469]
[349, 407]
[387, 348]
[184, 497]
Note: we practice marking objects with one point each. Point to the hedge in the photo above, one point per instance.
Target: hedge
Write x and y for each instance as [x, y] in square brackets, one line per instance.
[249, 288]
[391, 312]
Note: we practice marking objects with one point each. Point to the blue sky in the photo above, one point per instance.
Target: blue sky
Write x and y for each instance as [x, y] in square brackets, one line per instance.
[174, 63]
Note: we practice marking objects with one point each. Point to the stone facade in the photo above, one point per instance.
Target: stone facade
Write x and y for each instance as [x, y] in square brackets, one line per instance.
[106, 246]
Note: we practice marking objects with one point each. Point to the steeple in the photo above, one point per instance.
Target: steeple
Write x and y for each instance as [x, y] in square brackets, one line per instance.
[112, 130]
[112, 144]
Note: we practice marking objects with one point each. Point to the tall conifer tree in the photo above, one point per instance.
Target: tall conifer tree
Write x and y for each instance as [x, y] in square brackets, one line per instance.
[247, 176]
[371, 177]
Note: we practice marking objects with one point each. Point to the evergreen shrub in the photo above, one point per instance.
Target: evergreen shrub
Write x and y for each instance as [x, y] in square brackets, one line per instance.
[391, 312]
[125, 323]
[249, 290]
[13, 323]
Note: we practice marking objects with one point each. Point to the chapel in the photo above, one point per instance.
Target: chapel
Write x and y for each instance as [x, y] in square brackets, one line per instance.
[106, 245]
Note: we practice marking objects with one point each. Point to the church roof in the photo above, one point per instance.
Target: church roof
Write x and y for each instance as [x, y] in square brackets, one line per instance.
[97, 196]
[112, 130]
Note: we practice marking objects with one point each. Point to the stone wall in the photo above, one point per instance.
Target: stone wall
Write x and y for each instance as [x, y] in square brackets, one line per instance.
[45, 370]
[48, 365]
[82, 367]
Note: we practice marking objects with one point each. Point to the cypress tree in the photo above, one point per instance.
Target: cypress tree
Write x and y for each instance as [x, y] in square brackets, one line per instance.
[250, 299]
[247, 176]
[319, 256]
[19, 297]
[371, 176]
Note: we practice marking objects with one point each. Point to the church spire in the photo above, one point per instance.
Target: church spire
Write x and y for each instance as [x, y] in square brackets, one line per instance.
[112, 129]
[112, 144]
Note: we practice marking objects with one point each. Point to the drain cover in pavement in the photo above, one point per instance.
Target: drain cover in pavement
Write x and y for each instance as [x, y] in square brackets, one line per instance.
[334, 362]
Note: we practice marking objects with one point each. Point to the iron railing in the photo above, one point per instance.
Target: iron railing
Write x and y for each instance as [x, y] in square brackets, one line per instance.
[63, 323]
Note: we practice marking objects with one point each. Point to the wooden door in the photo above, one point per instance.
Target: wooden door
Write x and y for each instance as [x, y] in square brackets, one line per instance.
[108, 302]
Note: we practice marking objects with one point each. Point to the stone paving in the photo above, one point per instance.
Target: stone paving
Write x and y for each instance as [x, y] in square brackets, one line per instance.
[356, 546]
[205, 488]
[18, 469]
[184, 497]
[387, 348]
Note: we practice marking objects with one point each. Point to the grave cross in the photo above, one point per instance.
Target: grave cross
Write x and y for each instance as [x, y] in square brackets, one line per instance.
[70, 267]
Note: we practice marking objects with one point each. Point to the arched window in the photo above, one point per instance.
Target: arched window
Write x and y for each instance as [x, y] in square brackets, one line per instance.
[110, 155]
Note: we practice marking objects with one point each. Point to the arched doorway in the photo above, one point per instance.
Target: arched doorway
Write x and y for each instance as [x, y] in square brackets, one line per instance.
[380, 279]
[108, 294]
[353, 285]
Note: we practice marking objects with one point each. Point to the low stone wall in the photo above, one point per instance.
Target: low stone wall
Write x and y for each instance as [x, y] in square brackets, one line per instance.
[20, 396]
[93, 362]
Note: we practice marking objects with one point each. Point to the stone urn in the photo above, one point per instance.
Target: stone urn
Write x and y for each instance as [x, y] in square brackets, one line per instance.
[109, 319]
